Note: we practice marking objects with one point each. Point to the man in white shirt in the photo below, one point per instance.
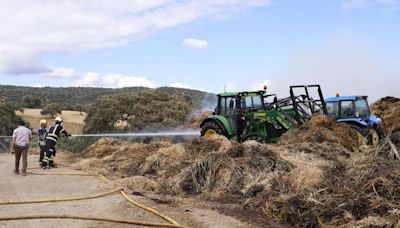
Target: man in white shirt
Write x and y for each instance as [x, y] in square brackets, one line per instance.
[20, 142]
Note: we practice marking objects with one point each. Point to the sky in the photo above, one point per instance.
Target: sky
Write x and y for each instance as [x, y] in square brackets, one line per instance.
[350, 47]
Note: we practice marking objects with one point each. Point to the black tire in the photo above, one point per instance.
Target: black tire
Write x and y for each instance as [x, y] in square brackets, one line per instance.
[367, 133]
[212, 126]
[374, 137]
[362, 130]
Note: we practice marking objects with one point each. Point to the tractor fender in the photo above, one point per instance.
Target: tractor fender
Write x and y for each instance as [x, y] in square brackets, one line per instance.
[357, 121]
[374, 120]
[221, 121]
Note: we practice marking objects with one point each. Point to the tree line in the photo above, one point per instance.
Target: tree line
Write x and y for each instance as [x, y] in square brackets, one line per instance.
[80, 98]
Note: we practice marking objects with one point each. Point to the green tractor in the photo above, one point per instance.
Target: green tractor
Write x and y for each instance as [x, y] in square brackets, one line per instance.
[259, 116]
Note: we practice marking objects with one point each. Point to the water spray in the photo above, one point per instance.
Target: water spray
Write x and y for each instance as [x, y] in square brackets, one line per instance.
[139, 135]
[136, 135]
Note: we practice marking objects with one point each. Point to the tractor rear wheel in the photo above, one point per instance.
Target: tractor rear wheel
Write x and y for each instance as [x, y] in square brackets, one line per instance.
[370, 134]
[362, 130]
[211, 128]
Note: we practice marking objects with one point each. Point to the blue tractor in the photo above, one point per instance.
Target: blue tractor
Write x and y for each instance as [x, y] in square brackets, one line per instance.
[354, 110]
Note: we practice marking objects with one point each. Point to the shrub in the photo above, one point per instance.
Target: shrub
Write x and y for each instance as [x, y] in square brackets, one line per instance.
[137, 111]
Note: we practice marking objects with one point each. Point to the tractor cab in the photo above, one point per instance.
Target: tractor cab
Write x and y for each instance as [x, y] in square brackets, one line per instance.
[229, 103]
[354, 110]
[351, 109]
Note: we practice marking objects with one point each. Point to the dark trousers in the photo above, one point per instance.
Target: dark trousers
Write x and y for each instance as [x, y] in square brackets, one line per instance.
[50, 152]
[43, 150]
[21, 151]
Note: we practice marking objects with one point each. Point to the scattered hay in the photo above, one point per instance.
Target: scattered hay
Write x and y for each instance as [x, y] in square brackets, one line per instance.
[137, 183]
[203, 146]
[388, 109]
[92, 164]
[387, 149]
[320, 175]
[103, 147]
[323, 129]
[309, 171]
[395, 138]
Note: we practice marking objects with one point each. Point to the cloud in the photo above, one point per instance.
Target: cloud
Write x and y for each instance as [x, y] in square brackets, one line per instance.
[195, 43]
[93, 79]
[119, 81]
[46, 26]
[180, 85]
[357, 4]
[64, 72]
[13, 63]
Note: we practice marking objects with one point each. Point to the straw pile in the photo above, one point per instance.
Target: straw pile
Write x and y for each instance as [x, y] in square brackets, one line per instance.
[321, 175]
[388, 109]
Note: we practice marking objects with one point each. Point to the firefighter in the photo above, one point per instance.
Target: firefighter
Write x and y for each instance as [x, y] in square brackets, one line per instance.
[42, 133]
[51, 140]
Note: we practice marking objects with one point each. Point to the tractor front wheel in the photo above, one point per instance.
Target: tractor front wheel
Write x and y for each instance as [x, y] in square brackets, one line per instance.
[373, 137]
[211, 128]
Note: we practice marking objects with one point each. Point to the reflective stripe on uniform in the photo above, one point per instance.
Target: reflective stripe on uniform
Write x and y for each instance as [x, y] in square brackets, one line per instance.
[52, 135]
[52, 139]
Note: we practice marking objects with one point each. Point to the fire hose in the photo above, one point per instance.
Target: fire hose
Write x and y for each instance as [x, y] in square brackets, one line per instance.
[172, 222]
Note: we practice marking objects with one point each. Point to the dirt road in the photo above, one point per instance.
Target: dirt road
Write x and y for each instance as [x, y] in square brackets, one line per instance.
[17, 188]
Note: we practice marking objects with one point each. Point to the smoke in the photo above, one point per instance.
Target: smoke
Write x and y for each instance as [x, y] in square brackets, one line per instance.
[207, 104]
[344, 67]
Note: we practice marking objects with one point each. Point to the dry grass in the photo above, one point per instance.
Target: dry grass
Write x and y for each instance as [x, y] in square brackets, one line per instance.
[73, 121]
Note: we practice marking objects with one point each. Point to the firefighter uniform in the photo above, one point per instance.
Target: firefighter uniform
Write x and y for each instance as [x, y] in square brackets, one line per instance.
[42, 133]
[51, 140]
